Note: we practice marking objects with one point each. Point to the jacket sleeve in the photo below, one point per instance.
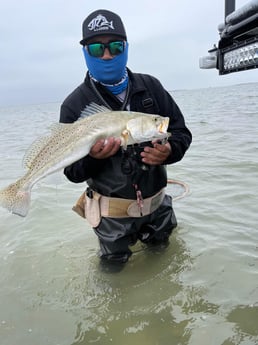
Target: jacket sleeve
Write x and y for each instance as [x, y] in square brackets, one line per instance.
[83, 169]
[181, 136]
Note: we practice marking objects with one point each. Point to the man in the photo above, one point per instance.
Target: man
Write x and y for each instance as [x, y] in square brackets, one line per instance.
[137, 175]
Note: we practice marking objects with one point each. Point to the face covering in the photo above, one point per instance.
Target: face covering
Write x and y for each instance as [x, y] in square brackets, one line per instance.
[111, 73]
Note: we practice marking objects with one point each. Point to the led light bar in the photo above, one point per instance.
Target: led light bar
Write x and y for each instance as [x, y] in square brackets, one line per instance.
[240, 58]
[237, 49]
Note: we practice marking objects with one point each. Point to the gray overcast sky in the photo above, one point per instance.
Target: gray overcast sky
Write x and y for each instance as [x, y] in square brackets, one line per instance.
[41, 59]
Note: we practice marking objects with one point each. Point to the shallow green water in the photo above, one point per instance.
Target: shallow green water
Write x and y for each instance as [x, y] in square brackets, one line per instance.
[202, 289]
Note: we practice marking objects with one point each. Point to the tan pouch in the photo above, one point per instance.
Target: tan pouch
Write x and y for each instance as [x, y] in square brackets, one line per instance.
[89, 208]
[79, 207]
[92, 209]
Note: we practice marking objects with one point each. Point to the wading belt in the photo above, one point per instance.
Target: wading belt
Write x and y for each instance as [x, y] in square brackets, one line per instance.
[94, 205]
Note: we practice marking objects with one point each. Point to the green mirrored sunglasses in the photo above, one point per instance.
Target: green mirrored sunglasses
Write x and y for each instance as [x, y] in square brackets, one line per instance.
[98, 49]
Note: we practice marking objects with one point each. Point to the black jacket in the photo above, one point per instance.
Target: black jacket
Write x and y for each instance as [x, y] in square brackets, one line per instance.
[115, 176]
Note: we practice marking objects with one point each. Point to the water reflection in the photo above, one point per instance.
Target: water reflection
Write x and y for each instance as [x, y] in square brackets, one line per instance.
[245, 321]
[146, 303]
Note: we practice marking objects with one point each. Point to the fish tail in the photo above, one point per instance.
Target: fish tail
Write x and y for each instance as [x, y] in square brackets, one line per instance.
[16, 198]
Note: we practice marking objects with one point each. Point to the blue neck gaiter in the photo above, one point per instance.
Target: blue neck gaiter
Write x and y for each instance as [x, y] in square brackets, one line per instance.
[110, 73]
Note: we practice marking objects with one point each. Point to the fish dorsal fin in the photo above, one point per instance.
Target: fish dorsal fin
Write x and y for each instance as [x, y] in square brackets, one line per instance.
[39, 144]
[93, 108]
[55, 127]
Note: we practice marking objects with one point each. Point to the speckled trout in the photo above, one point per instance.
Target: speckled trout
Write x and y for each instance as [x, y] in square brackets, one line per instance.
[67, 143]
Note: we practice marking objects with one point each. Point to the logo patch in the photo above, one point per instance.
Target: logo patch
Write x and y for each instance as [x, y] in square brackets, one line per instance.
[100, 23]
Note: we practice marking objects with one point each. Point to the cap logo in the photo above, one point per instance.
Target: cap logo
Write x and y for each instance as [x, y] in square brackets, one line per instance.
[100, 23]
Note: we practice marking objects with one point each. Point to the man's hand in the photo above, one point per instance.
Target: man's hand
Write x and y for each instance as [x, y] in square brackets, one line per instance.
[105, 148]
[157, 154]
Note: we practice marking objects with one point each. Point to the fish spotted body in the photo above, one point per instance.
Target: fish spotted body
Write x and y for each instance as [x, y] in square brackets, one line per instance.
[68, 143]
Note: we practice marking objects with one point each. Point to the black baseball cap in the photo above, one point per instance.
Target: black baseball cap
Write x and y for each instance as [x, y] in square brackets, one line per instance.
[102, 22]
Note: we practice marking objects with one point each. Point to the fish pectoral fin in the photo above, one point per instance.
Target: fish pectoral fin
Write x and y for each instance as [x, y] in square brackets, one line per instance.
[124, 138]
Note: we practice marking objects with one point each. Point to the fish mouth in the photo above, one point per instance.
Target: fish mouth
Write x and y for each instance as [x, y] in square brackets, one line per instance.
[163, 126]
